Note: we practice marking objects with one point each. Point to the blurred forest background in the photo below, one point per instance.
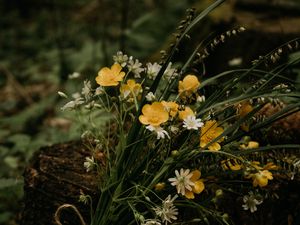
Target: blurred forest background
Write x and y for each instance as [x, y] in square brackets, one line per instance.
[43, 42]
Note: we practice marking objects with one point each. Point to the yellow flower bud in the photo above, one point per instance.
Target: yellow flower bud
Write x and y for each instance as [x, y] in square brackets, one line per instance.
[160, 186]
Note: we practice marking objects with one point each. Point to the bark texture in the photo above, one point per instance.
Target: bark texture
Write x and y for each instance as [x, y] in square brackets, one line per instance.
[55, 177]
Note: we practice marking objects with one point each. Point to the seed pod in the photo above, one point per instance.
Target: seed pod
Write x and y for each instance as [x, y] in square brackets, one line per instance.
[182, 22]
[62, 94]
[206, 52]
[222, 38]
[241, 29]
[187, 36]
[273, 59]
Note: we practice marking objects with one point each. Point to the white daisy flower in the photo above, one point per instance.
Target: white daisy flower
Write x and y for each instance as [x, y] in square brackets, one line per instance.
[191, 123]
[73, 104]
[120, 58]
[135, 67]
[170, 73]
[169, 202]
[74, 75]
[69, 105]
[89, 163]
[76, 95]
[160, 132]
[86, 134]
[201, 98]
[182, 181]
[251, 201]
[152, 70]
[168, 211]
[86, 90]
[151, 222]
[84, 199]
[150, 97]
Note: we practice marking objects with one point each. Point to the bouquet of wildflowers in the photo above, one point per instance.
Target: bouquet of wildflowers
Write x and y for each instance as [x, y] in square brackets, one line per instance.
[178, 140]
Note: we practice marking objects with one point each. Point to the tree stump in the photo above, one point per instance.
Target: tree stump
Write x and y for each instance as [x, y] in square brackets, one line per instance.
[56, 176]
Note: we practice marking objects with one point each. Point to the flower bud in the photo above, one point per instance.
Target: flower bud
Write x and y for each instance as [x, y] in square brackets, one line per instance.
[160, 186]
[219, 193]
[246, 139]
[175, 153]
[225, 216]
[62, 94]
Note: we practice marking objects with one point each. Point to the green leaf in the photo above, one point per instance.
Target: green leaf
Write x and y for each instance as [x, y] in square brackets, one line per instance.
[5, 217]
[11, 161]
[21, 143]
[4, 133]
[3, 150]
[8, 183]
[33, 112]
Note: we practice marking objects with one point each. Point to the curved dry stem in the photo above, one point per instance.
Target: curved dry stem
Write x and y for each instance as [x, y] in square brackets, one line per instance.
[64, 206]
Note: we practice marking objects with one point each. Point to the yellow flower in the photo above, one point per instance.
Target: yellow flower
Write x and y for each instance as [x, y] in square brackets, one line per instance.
[243, 109]
[261, 178]
[231, 164]
[188, 85]
[270, 166]
[209, 132]
[256, 165]
[154, 114]
[250, 145]
[160, 186]
[171, 107]
[131, 89]
[185, 113]
[110, 77]
[198, 185]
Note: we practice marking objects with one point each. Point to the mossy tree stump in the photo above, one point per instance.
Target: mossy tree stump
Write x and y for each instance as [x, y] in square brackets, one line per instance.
[55, 177]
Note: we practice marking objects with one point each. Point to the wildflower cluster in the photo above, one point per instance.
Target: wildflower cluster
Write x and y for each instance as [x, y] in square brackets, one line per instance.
[172, 131]
[176, 126]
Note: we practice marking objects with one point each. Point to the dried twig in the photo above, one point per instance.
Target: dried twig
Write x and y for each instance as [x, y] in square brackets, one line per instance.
[64, 206]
